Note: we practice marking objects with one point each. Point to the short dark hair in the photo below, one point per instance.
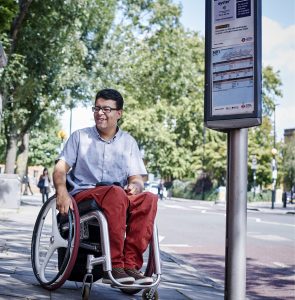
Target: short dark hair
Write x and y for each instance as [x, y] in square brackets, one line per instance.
[111, 94]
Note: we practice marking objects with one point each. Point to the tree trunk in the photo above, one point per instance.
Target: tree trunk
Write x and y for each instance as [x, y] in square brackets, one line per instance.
[22, 158]
[1, 107]
[11, 150]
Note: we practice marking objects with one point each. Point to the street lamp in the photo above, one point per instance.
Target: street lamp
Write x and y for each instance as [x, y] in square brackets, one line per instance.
[254, 167]
[274, 176]
[3, 63]
[62, 135]
[273, 162]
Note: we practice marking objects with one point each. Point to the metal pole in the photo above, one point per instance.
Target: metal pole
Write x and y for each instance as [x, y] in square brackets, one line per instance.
[203, 164]
[254, 182]
[274, 164]
[71, 118]
[236, 216]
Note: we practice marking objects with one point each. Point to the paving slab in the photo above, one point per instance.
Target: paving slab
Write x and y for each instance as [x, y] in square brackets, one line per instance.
[17, 281]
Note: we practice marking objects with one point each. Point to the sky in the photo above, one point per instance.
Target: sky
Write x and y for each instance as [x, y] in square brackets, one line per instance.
[278, 51]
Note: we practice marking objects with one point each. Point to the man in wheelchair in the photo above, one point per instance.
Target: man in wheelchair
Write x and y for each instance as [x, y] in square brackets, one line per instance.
[104, 163]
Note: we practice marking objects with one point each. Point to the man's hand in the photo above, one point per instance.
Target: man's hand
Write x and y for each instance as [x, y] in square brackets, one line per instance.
[64, 202]
[132, 189]
[135, 185]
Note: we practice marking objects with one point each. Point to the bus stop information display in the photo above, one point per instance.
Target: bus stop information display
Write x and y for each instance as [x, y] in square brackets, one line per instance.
[233, 64]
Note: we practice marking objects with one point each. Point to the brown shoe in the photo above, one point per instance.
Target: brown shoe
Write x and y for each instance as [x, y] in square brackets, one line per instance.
[139, 277]
[120, 275]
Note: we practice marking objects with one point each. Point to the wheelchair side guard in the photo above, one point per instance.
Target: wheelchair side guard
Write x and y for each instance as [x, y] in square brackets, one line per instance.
[47, 240]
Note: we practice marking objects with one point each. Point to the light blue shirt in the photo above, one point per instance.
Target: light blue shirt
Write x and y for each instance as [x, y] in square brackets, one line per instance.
[94, 160]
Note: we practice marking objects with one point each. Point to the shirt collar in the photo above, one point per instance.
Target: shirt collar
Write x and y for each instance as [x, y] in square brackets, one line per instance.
[115, 137]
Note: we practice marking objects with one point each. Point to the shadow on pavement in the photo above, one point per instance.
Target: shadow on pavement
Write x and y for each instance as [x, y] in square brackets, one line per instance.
[259, 277]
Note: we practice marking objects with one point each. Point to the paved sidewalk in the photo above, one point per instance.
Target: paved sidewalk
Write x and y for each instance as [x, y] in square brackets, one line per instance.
[17, 281]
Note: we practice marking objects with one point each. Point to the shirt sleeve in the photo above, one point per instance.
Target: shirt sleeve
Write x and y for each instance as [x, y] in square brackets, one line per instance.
[70, 150]
[136, 166]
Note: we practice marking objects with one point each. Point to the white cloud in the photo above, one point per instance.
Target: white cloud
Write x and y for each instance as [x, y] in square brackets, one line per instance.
[278, 45]
[278, 51]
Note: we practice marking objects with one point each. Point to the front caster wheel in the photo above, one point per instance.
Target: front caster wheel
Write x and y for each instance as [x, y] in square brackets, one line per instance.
[86, 292]
[147, 296]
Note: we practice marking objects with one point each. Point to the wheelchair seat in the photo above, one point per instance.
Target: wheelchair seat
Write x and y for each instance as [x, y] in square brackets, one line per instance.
[88, 205]
[76, 248]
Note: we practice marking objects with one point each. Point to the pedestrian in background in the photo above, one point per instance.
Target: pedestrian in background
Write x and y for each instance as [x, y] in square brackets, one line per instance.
[160, 190]
[44, 184]
[26, 182]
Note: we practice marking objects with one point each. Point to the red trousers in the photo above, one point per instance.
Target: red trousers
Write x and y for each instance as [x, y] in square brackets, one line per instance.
[139, 211]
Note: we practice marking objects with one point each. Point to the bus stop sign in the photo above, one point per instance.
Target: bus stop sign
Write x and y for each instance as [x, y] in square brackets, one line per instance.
[233, 64]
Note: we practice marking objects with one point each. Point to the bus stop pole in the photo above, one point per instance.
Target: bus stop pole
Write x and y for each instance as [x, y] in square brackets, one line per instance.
[236, 215]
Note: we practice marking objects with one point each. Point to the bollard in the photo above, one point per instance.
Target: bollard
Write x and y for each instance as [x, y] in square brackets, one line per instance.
[284, 199]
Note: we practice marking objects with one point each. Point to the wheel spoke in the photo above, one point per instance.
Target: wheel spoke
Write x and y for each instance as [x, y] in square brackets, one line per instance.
[58, 240]
[51, 264]
[55, 241]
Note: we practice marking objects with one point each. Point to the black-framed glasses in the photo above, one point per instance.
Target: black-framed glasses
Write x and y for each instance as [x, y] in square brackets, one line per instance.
[105, 109]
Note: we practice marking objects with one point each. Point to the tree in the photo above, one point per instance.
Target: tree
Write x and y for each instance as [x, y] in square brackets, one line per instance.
[7, 13]
[51, 48]
[261, 139]
[45, 143]
[260, 145]
[159, 68]
[289, 163]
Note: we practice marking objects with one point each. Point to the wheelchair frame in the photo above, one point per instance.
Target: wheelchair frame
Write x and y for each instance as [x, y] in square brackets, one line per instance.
[67, 235]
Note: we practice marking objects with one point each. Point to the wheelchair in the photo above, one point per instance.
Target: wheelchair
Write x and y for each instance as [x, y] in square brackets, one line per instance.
[76, 248]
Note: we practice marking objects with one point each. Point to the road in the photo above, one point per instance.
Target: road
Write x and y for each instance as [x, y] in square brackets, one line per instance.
[194, 231]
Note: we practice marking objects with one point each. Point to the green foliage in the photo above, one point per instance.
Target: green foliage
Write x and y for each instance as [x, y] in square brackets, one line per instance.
[263, 196]
[51, 54]
[289, 162]
[260, 145]
[160, 72]
[8, 10]
[66, 50]
[44, 142]
[271, 90]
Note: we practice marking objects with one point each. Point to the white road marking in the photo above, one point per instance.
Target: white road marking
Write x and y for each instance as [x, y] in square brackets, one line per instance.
[277, 223]
[269, 237]
[176, 206]
[161, 238]
[200, 207]
[281, 265]
[258, 220]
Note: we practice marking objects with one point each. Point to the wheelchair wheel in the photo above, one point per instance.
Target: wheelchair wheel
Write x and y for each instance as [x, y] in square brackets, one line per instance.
[52, 233]
[146, 295]
[86, 292]
[149, 271]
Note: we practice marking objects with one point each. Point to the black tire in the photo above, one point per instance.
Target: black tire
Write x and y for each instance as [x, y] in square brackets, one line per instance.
[58, 272]
[86, 292]
[145, 295]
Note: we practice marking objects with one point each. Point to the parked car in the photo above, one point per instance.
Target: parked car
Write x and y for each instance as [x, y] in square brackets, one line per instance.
[153, 188]
[289, 199]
